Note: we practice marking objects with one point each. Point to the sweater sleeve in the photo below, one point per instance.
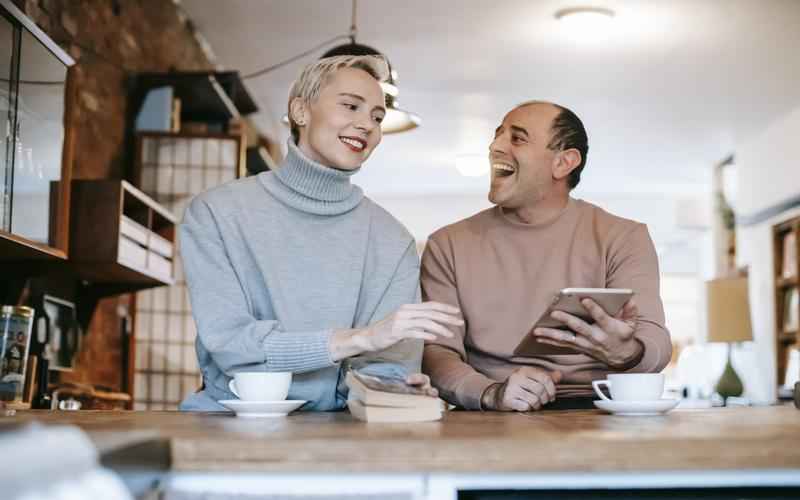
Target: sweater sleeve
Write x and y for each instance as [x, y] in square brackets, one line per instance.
[403, 289]
[634, 264]
[444, 360]
[235, 339]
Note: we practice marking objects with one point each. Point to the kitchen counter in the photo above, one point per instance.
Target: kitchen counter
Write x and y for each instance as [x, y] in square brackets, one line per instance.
[726, 438]
[735, 442]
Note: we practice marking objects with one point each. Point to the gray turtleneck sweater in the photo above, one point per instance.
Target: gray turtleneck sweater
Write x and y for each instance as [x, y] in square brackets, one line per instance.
[275, 262]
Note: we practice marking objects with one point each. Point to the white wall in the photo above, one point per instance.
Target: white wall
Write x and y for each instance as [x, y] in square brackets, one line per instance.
[769, 173]
[769, 165]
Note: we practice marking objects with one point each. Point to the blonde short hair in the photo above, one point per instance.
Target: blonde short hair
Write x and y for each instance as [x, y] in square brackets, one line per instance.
[309, 84]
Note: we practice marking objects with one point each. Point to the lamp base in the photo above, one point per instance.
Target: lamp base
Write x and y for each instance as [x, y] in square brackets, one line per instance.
[729, 384]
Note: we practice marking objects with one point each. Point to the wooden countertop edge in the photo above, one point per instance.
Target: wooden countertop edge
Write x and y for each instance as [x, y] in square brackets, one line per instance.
[478, 456]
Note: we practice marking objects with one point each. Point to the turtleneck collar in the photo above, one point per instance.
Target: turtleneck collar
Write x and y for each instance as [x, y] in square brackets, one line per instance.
[311, 187]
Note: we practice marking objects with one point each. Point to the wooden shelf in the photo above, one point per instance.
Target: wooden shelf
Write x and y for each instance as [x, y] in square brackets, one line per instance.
[122, 240]
[17, 248]
[787, 337]
[205, 95]
[786, 258]
[259, 160]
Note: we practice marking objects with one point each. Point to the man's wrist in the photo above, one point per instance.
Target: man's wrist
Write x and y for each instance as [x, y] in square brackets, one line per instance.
[633, 359]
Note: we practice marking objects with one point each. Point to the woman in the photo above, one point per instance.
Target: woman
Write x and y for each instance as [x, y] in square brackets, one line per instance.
[295, 270]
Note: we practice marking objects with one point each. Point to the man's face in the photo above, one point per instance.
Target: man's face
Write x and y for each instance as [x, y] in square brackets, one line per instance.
[342, 126]
[522, 164]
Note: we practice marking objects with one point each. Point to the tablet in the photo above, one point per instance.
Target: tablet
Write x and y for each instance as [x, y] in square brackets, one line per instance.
[569, 300]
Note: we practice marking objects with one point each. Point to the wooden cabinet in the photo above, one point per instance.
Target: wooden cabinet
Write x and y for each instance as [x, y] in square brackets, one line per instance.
[121, 236]
[36, 163]
[786, 252]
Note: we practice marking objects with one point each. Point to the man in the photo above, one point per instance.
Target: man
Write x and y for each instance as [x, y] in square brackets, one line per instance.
[503, 266]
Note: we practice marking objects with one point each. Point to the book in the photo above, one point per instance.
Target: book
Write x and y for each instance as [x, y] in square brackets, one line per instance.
[791, 310]
[789, 268]
[156, 111]
[392, 414]
[388, 392]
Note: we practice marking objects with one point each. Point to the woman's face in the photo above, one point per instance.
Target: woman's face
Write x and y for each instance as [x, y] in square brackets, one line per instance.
[343, 125]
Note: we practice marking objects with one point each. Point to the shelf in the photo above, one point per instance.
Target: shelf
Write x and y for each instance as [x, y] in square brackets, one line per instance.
[787, 337]
[205, 96]
[786, 282]
[16, 248]
[259, 160]
[122, 240]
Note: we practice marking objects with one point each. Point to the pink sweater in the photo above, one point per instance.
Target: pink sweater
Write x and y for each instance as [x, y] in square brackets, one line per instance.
[503, 274]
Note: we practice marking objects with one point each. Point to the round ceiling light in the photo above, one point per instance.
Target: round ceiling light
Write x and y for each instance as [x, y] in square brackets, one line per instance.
[586, 23]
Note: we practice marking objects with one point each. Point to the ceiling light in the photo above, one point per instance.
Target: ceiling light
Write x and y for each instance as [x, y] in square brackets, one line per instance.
[396, 119]
[472, 165]
[586, 23]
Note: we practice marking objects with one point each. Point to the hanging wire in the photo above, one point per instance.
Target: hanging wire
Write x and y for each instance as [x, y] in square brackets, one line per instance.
[353, 27]
[351, 35]
[293, 59]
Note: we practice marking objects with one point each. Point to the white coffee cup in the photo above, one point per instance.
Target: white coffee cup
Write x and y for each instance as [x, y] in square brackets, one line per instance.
[261, 386]
[632, 386]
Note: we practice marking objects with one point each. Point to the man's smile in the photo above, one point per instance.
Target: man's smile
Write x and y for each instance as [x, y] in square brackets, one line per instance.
[501, 169]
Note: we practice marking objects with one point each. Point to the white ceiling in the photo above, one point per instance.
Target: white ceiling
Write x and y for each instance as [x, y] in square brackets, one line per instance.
[671, 91]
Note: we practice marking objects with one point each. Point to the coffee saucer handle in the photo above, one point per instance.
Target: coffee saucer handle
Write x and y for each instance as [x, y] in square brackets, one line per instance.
[596, 386]
[232, 387]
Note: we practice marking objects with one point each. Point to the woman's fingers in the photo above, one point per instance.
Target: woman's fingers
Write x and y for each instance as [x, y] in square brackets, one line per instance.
[416, 334]
[423, 381]
[434, 306]
[430, 326]
[437, 316]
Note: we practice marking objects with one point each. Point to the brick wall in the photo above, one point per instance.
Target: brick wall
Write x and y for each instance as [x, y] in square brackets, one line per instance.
[110, 40]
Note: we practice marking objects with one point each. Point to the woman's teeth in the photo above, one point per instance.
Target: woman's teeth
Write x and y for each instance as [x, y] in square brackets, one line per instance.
[357, 145]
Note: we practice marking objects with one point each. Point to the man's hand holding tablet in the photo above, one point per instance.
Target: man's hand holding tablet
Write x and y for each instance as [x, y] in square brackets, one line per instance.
[606, 334]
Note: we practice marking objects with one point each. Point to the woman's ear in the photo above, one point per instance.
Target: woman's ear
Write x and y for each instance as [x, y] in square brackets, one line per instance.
[566, 161]
[299, 111]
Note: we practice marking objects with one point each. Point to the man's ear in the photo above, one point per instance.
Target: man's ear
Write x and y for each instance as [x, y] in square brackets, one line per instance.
[566, 161]
[299, 111]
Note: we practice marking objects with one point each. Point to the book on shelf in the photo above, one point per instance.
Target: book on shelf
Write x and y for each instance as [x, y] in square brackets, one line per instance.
[388, 399]
[791, 310]
[789, 265]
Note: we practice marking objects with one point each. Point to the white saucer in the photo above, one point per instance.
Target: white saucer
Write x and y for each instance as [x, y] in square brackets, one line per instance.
[254, 409]
[635, 408]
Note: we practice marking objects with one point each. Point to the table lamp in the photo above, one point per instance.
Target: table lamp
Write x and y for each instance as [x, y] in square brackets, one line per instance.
[728, 321]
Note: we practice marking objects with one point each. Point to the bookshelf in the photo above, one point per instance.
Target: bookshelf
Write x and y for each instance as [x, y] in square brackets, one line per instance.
[786, 253]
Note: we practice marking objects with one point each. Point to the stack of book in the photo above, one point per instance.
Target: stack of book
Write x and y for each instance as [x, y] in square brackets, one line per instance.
[383, 399]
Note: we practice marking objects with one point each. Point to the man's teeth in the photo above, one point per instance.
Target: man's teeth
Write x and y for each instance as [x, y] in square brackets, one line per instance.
[352, 142]
[504, 168]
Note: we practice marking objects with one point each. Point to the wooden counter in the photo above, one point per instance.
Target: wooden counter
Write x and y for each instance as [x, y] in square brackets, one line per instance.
[464, 442]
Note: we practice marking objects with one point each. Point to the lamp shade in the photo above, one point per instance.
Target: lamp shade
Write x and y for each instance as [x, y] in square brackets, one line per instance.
[728, 310]
[396, 119]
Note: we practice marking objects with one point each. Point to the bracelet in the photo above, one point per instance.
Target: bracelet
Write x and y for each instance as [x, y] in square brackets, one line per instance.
[483, 393]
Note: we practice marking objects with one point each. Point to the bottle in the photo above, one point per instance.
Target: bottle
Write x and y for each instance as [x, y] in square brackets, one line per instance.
[42, 400]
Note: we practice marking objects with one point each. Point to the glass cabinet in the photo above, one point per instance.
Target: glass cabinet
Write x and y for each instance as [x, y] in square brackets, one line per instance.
[34, 182]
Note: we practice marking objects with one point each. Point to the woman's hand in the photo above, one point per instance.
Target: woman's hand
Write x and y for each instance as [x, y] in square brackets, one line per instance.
[426, 321]
[423, 382]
